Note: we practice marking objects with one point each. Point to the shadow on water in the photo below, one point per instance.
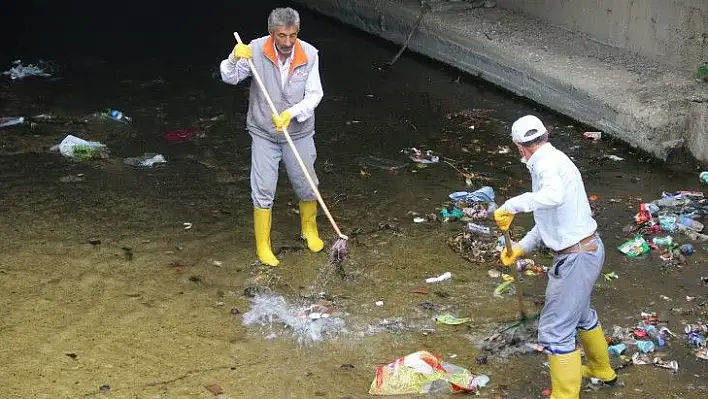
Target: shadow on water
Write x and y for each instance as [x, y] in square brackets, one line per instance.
[103, 283]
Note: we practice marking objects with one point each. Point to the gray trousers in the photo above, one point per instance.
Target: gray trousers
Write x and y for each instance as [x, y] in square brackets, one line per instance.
[265, 160]
[570, 282]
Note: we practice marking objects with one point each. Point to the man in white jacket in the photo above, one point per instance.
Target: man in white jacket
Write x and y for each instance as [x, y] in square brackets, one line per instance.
[289, 68]
[564, 223]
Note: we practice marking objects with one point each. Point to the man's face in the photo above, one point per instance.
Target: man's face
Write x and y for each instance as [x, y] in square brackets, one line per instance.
[523, 151]
[284, 37]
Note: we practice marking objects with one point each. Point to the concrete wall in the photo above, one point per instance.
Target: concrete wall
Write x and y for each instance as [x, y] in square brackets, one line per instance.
[673, 32]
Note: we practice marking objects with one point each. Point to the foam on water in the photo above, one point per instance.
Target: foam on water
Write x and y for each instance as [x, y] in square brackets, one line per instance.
[275, 311]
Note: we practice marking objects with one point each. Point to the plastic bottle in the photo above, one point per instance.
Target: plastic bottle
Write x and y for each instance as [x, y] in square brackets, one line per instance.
[696, 328]
[691, 224]
[478, 228]
[618, 349]
[117, 115]
[655, 335]
[662, 241]
[703, 176]
[687, 249]
[11, 121]
[696, 339]
[645, 346]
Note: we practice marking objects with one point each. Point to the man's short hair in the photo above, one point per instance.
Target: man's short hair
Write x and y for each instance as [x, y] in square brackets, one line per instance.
[538, 140]
[280, 17]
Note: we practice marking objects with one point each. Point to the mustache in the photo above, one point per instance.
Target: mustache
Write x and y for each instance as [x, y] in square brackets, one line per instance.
[285, 49]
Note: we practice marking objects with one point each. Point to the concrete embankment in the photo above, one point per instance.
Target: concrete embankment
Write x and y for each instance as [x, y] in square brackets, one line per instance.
[636, 99]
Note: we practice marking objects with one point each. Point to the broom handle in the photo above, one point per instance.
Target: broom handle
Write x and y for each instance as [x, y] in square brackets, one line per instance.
[517, 283]
[254, 72]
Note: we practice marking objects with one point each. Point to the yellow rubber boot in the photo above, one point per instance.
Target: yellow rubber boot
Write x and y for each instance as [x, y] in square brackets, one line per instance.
[565, 375]
[308, 221]
[598, 358]
[262, 219]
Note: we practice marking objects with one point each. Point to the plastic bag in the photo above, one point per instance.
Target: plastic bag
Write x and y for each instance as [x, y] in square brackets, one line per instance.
[421, 373]
[634, 247]
[80, 149]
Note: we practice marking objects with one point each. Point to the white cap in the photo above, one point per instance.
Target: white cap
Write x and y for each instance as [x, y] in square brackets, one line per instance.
[524, 125]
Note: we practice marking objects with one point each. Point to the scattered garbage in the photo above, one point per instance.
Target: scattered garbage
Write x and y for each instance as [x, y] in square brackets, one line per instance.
[424, 157]
[442, 277]
[614, 157]
[668, 218]
[178, 136]
[451, 320]
[11, 121]
[424, 373]
[474, 227]
[593, 135]
[108, 114]
[634, 247]
[610, 276]
[19, 71]
[650, 338]
[512, 340]
[80, 149]
[476, 243]
[147, 160]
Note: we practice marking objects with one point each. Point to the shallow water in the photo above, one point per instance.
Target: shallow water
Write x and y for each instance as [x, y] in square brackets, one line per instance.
[102, 284]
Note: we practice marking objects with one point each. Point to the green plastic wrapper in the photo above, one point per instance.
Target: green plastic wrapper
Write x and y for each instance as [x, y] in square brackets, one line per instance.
[451, 320]
[634, 247]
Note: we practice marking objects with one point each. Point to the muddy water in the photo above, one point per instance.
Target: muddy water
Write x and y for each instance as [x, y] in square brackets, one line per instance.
[102, 284]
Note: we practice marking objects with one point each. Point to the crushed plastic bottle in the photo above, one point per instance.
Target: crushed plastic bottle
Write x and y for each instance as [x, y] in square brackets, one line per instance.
[691, 224]
[147, 160]
[703, 177]
[11, 121]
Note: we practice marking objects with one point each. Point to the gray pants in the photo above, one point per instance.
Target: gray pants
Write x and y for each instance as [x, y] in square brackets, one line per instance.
[265, 160]
[570, 282]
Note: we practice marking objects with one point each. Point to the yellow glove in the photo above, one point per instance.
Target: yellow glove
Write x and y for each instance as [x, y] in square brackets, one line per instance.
[282, 121]
[503, 219]
[242, 51]
[516, 253]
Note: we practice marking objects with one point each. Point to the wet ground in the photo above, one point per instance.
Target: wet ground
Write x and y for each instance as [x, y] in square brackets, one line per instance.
[102, 284]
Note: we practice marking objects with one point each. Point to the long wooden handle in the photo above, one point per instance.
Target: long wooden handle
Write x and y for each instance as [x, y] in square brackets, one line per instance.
[517, 283]
[313, 186]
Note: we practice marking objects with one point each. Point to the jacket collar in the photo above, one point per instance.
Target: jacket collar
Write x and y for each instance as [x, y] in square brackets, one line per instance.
[299, 56]
[541, 152]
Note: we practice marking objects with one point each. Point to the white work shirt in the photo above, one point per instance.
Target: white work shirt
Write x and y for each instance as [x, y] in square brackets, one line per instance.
[234, 71]
[558, 201]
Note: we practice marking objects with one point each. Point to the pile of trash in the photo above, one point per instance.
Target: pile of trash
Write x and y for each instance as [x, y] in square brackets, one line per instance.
[505, 281]
[516, 339]
[662, 220]
[19, 71]
[476, 243]
[648, 341]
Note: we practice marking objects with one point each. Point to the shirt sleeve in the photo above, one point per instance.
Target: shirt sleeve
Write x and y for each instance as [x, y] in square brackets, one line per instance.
[313, 94]
[531, 241]
[549, 195]
[234, 71]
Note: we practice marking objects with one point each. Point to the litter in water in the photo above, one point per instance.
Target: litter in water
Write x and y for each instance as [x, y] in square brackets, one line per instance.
[11, 121]
[19, 71]
[147, 160]
[80, 149]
